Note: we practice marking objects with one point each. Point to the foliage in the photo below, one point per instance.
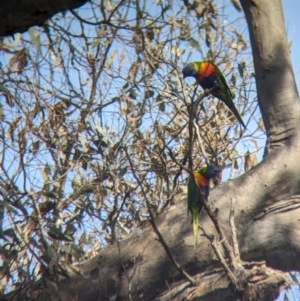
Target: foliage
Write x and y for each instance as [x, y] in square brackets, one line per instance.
[95, 114]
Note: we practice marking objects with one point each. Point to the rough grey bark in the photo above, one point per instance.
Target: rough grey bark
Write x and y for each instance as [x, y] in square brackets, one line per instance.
[277, 92]
[19, 15]
[267, 206]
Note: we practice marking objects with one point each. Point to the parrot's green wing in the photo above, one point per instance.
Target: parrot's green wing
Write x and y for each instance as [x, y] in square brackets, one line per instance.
[193, 207]
[222, 80]
[226, 96]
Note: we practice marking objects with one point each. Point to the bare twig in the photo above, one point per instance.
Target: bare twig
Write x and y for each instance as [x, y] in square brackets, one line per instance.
[213, 214]
[218, 251]
[181, 165]
[233, 233]
[200, 142]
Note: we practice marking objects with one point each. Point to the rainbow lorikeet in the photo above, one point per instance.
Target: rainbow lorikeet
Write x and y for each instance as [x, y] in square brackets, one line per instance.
[202, 177]
[209, 76]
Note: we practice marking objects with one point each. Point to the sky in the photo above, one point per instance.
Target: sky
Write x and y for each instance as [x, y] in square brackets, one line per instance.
[291, 10]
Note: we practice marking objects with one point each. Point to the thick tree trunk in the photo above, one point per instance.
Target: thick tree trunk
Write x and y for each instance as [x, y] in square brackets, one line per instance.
[277, 92]
[19, 15]
[267, 205]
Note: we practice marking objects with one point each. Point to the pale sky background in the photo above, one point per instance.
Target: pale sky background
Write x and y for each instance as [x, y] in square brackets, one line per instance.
[291, 10]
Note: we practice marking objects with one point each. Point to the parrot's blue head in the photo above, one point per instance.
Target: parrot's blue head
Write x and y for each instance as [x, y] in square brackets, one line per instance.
[212, 171]
[189, 70]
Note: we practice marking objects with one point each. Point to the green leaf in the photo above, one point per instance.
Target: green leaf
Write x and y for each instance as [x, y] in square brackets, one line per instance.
[51, 252]
[64, 144]
[1, 112]
[35, 38]
[76, 184]
[101, 143]
[123, 171]
[149, 93]
[16, 37]
[49, 194]
[132, 94]
[110, 59]
[212, 25]
[208, 37]
[70, 228]
[186, 3]
[9, 233]
[241, 68]
[35, 147]
[47, 169]
[236, 4]
[202, 107]
[233, 79]
[85, 161]
[199, 9]
[55, 233]
[162, 106]
[194, 44]
[47, 206]
[235, 164]
[250, 161]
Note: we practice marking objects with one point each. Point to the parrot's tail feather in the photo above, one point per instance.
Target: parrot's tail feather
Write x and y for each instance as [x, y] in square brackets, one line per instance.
[237, 115]
[187, 213]
[195, 228]
[227, 99]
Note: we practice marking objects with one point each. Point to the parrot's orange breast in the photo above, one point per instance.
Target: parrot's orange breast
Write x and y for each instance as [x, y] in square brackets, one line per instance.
[201, 180]
[206, 70]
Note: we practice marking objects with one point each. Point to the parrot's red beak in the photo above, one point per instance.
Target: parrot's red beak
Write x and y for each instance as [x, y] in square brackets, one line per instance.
[217, 178]
[218, 175]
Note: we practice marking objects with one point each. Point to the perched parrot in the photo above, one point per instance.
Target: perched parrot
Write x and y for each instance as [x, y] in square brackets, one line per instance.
[202, 177]
[208, 75]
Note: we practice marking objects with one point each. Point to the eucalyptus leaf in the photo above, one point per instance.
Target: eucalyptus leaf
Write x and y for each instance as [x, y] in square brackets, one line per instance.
[35, 38]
